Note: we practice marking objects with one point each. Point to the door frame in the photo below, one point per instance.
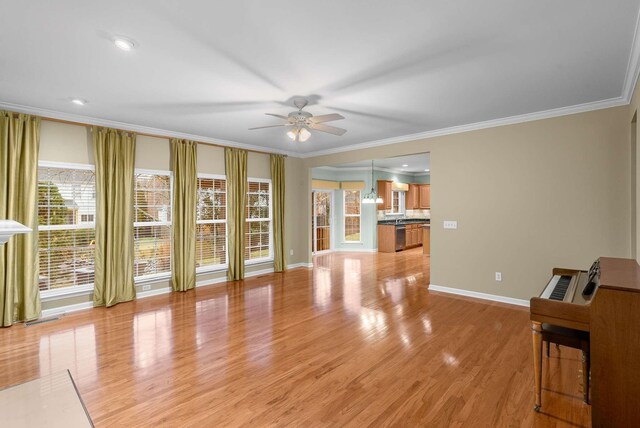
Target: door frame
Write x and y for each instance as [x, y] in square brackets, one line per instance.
[332, 205]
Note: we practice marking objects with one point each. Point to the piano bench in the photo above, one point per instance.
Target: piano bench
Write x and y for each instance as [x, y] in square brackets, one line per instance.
[573, 339]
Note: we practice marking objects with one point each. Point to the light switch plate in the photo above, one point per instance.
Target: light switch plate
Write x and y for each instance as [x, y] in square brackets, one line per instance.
[450, 224]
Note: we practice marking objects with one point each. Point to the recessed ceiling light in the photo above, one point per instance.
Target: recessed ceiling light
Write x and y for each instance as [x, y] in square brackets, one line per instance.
[79, 101]
[123, 43]
[426, 170]
[404, 165]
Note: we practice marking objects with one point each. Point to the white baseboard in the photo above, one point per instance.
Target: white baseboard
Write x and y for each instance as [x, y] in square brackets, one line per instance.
[356, 250]
[212, 281]
[154, 292]
[66, 309]
[298, 265]
[477, 295]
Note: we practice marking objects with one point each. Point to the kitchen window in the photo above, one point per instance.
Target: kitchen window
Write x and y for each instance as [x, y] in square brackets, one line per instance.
[66, 228]
[211, 223]
[397, 202]
[152, 224]
[352, 219]
[258, 227]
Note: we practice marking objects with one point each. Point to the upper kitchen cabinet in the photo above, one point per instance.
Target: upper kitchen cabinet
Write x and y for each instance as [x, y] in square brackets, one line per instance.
[384, 190]
[424, 196]
[413, 195]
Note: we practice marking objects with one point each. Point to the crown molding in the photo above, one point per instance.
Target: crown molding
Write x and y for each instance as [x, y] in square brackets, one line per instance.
[88, 120]
[511, 120]
[529, 117]
[368, 168]
[633, 66]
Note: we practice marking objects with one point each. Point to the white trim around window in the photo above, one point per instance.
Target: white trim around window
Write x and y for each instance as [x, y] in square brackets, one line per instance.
[159, 275]
[345, 216]
[221, 266]
[249, 262]
[75, 226]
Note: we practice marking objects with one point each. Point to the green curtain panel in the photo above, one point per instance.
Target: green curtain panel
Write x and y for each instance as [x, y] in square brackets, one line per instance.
[115, 159]
[19, 145]
[184, 158]
[278, 192]
[236, 168]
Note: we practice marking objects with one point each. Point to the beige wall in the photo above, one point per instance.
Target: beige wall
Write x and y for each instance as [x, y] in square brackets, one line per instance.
[634, 166]
[61, 142]
[527, 197]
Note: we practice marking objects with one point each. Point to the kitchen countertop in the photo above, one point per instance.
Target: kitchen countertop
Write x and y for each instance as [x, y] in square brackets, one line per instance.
[405, 221]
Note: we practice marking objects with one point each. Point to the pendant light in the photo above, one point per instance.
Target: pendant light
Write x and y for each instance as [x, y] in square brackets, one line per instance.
[372, 197]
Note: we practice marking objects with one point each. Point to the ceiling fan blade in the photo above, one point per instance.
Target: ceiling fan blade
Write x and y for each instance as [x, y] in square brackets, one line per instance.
[326, 118]
[270, 126]
[277, 115]
[326, 128]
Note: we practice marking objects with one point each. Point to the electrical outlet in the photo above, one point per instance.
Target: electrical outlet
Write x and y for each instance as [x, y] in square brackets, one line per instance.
[498, 276]
[291, 252]
[146, 287]
[450, 224]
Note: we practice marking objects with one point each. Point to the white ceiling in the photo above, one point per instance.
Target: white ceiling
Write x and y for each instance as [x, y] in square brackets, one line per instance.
[416, 164]
[392, 68]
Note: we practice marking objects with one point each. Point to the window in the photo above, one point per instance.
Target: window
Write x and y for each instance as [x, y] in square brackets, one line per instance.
[86, 218]
[66, 231]
[397, 202]
[152, 224]
[211, 225]
[352, 216]
[258, 224]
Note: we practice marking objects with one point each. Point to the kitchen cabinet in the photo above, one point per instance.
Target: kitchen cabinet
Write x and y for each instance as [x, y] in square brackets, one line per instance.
[424, 196]
[412, 235]
[384, 190]
[413, 194]
[410, 238]
[426, 239]
[386, 238]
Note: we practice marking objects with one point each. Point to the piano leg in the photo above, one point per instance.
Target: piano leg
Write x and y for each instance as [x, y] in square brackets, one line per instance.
[536, 330]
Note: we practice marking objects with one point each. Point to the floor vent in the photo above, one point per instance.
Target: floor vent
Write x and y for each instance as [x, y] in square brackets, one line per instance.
[41, 321]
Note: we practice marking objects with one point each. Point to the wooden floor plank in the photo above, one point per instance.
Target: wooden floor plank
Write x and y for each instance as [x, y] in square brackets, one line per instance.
[359, 340]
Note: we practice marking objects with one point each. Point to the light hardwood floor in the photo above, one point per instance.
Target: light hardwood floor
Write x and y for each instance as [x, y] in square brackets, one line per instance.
[359, 340]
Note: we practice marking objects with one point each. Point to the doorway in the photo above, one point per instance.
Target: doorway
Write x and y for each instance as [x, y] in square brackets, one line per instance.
[322, 220]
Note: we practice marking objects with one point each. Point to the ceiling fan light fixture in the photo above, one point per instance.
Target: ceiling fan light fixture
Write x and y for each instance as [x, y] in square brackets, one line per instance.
[302, 123]
[303, 135]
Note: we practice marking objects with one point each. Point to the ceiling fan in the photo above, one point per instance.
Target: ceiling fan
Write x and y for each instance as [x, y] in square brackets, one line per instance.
[302, 122]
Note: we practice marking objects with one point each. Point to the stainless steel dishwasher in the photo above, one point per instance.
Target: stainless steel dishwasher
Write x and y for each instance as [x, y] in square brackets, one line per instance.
[400, 237]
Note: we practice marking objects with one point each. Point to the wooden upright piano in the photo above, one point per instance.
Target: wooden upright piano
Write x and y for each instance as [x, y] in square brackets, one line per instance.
[605, 301]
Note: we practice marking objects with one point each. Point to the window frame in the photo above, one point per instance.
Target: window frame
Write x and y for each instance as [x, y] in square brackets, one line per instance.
[163, 275]
[46, 295]
[401, 202]
[222, 266]
[249, 262]
[345, 215]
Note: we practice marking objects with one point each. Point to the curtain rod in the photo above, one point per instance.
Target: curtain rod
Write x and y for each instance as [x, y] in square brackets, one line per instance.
[157, 136]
